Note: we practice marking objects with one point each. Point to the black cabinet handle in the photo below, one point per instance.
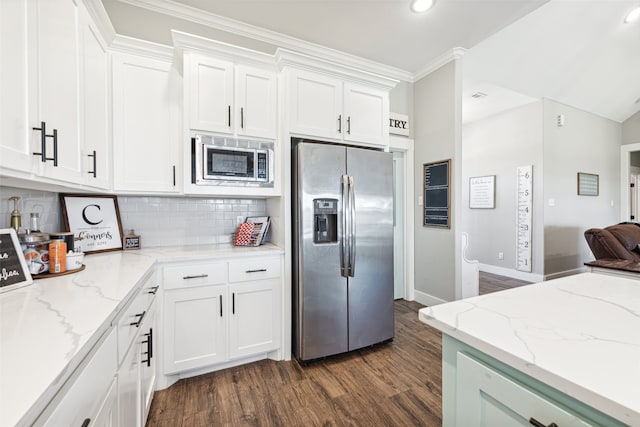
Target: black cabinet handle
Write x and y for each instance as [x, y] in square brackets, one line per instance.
[153, 290]
[198, 276]
[340, 123]
[149, 343]
[260, 270]
[220, 305]
[43, 144]
[537, 423]
[140, 316]
[174, 175]
[93, 172]
[86, 422]
[233, 303]
[349, 124]
[229, 115]
[242, 117]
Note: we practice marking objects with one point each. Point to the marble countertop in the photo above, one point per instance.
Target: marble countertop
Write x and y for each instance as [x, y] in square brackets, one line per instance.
[47, 328]
[578, 334]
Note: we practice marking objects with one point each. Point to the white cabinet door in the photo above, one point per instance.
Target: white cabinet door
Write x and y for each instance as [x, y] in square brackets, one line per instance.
[486, 397]
[15, 150]
[107, 415]
[367, 114]
[148, 344]
[146, 146]
[210, 93]
[254, 325]
[316, 105]
[194, 328]
[255, 102]
[53, 56]
[94, 106]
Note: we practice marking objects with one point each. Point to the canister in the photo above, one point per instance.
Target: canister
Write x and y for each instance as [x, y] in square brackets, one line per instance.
[67, 236]
[57, 256]
[35, 247]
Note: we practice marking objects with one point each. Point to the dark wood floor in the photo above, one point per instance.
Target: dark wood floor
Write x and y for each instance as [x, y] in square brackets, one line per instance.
[396, 384]
[492, 283]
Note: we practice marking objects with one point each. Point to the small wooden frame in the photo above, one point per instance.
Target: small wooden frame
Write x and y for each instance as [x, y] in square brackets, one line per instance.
[588, 184]
[14, 272]
[94, 220]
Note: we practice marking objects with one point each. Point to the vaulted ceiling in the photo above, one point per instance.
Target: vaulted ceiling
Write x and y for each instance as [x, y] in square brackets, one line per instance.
[577, 52]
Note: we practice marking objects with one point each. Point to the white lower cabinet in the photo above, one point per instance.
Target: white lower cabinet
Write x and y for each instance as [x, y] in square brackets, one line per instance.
[107, 415]
[88, 391]
[215, 313]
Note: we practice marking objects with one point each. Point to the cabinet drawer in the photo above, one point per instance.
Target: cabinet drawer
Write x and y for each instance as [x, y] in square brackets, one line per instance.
[254, 269]
[186, 276]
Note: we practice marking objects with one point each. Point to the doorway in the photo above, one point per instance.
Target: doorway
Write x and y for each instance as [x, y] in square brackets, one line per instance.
[630, 182]
[398, 225]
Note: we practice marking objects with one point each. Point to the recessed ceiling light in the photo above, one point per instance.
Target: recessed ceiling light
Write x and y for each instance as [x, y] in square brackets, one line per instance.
[633, 15]
[421, 5]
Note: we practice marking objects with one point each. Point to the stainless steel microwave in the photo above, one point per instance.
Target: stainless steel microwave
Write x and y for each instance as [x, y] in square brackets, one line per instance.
[220, 160]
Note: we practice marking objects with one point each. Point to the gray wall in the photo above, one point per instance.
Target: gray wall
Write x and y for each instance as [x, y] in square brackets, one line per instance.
[401, 102]
[436, 134]
[586, 143]
[497, 146]
[631, 130]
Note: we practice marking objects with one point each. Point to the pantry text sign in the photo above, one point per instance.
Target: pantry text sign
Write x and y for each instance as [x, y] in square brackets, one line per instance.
[399, 124]
[94, 221]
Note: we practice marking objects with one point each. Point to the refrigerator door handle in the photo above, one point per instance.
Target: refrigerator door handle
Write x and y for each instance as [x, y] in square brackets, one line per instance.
[344, 253]
[352, 227]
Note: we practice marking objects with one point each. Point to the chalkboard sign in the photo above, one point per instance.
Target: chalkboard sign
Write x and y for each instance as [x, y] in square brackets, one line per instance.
[13, 267]
[437, 210]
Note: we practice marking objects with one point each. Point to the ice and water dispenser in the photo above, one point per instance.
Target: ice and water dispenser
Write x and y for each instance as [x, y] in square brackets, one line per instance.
[325, 219]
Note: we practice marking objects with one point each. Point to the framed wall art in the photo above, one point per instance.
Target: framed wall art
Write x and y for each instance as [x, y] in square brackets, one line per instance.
[588, 184]
[94, 221]
[437, 198]
[482, 192]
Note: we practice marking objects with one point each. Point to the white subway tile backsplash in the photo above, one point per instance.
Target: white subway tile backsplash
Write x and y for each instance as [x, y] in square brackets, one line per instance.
[160, 221]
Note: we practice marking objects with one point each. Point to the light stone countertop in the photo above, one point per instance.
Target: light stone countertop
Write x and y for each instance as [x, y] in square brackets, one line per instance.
[47, 328]
[578, 334]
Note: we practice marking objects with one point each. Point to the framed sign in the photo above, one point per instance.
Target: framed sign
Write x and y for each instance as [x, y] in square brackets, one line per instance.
[482, 192]
[14, 272]
[94, 221]
[588, 184]
[437, 211]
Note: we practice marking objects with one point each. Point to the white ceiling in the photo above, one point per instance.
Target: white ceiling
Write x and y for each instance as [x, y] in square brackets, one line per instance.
[576, 52]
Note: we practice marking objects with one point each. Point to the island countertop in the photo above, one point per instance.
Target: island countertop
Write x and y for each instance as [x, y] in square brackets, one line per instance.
[579, 334]
[47, 328]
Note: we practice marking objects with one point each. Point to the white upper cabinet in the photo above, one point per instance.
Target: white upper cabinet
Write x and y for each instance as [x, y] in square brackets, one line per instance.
[15, 152]
[54, 87]
[326, 107]
[146, 142]
[94, 106]
[226, 98]
[209, 85]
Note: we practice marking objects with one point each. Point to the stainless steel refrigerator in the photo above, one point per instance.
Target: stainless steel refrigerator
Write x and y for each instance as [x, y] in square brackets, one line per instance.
[343, 248]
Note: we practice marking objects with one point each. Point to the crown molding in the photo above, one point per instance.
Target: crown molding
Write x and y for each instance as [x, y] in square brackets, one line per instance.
[141, 47]
[289, 58]
[189, 42]
[100, 17]
[455, 53]
[177, 10]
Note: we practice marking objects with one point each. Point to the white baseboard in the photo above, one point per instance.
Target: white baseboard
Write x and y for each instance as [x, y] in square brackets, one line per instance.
[514, 274]
[426, 299]
[565, 273]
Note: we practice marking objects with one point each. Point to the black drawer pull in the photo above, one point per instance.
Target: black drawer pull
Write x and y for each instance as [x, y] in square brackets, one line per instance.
[537, 423]
[153, 290]
[93, 172]
[140, 316]
[198, 276]
[261, 270]
[86, 422]
[220, 305]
